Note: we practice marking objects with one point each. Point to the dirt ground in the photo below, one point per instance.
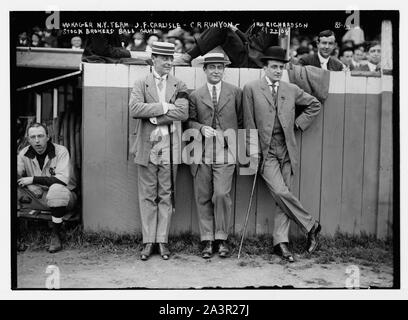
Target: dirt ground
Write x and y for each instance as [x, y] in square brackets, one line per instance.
[91, 268]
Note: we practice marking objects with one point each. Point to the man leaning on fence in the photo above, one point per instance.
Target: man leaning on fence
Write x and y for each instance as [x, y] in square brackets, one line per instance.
[269, 106]
[46, 180]
[158, 101]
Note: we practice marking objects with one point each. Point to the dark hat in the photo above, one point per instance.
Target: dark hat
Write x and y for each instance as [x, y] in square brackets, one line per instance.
[274, 53]
[215, 57]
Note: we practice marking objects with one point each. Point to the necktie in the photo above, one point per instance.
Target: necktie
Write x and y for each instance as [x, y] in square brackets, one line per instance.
[274, 93]
[215, 103]
[324, 65]
[160, 84]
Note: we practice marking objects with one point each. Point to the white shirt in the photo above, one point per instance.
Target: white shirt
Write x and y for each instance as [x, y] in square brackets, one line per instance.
[270, 83]
[217, 88]
[162, 98]
[372, 66]
[323, 61]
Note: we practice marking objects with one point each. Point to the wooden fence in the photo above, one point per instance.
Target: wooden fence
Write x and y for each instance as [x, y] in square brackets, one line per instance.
[345, 176]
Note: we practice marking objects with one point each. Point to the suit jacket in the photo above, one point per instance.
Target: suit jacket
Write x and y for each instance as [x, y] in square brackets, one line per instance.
[313, 60]
[259, 113]
[144, 104]
[202, 110]
[365, 67]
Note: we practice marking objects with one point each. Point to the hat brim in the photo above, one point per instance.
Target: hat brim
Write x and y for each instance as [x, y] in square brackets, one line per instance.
[263, 58]
[224, 62]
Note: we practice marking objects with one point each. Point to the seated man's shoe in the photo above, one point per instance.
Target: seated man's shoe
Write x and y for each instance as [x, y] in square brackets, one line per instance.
[223, 249]
[282, 250]
[312, 237]
[208, 249]
[55, 243]
[147, 251]
[164, 251]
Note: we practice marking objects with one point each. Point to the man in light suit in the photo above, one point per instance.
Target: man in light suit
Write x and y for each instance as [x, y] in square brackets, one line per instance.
[214, 108]
[269, 106]
[159, 102]
[323, 59]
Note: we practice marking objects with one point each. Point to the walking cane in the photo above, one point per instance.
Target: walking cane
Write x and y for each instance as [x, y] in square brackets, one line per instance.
[171, 170]
[248, 210]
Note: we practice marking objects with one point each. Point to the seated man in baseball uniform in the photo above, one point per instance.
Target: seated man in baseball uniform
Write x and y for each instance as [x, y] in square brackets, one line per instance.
[45, 179]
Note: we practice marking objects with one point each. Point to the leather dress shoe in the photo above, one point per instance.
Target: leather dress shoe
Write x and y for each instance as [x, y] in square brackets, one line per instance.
[312, 237]
[164, 251]
[283, 250]
[147, 251]
[208, 250]
[223, 250]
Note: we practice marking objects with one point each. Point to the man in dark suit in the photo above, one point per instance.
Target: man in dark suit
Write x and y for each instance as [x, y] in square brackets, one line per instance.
[215, 108]
[346, 56]
[159, 102]
[373, 57]
[323, 59]
[269, 106]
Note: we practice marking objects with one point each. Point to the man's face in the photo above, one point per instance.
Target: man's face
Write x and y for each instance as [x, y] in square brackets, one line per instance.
[162, 64]
[326, 46]
[38, 139]
[274, 69]
[374, 54]
[76, 42]
[347, 57]
[214, 72]
[358, 55]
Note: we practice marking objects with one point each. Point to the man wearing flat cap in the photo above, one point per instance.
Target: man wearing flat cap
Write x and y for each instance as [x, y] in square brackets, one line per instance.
[215, 108]
[269, 106]
[159, 102]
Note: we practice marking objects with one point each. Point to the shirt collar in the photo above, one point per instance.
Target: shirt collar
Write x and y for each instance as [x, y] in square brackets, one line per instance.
[50, 151]
[157, 77]
[322, 59]
[217, 86]
[270, 83]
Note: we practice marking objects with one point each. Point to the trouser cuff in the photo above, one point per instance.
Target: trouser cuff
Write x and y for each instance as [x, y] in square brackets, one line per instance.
[221, 236]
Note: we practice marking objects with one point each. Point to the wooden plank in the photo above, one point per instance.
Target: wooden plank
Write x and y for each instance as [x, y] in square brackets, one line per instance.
[231, 75]
[55, 103]
[332, 155]
[310, 171]
[38, 107]
[119, 212]
[187, 75]
[247, 75]
[386, 45]
[181, 221]
[371, 158]
[386, 165]
[93, 151]
[294, 230]
[46, 105]
[200, 78]
[137, 72]
[243, 192]
[332, 164]
[353, 155]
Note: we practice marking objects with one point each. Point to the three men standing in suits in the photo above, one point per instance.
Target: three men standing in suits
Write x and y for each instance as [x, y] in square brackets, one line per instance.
[269, 106]
[214, 108]
[323, 58]
[159, 102]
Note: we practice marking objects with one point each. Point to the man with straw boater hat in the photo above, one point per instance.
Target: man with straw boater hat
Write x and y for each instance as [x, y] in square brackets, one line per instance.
[159, 102]
[269, 106]
[215, 108]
